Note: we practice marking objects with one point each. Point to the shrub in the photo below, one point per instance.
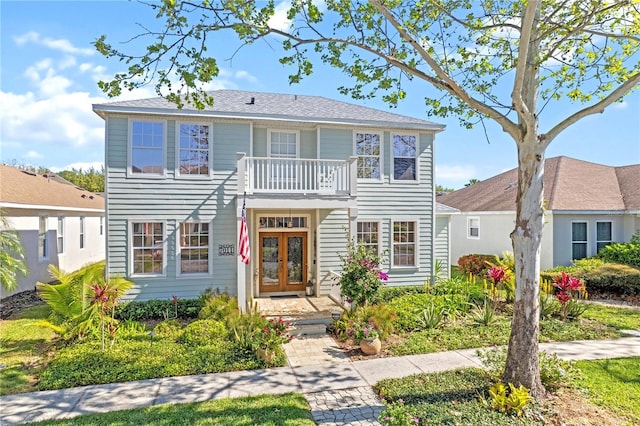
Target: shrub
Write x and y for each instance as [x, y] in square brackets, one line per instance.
[203, 332]
[243, 327]
[508, 400]
[158, 309]
[168, 328]
[409, 309]
[382, 316]
[218, 306]
[361, 277]
[613, 278]
[387, 294]
[628, 254]
[475, 264]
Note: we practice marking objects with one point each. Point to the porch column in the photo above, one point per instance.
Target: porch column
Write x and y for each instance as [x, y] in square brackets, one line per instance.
[241, 267]
[353, 176]
[353, 224]
[242, 173]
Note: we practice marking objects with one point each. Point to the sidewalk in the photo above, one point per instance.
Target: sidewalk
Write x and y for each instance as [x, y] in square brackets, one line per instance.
[339, 393]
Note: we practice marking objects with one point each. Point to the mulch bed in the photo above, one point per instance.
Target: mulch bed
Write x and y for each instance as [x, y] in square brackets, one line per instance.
[19, 301]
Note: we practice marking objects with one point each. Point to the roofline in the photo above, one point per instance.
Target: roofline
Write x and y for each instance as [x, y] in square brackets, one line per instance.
[102, 110]
[43, 206]
[600, 212]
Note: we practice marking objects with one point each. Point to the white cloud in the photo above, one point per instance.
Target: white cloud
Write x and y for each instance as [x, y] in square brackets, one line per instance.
[33, 155]
[245, 75]
[60, 44]
[620, 105]
[66, 62]
[81, 165]
[279, 19]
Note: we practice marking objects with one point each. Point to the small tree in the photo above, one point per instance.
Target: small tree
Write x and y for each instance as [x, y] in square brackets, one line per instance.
[12, 261]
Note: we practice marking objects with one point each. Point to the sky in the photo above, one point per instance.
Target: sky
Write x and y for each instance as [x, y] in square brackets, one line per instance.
[49, 72]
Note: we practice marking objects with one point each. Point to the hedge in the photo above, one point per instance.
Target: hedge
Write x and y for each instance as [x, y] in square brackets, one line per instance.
[475, 264]
[612, 278]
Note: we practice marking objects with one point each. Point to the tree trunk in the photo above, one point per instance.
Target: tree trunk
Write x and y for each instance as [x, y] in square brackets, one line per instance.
[522, 367]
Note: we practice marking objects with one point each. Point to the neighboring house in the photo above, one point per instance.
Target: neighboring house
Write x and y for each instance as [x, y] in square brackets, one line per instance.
[587, 206]
[311, 171]
[58, 223]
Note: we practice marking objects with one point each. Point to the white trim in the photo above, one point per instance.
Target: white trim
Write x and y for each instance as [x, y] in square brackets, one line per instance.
[586, 242]
[416, 243]
[60, 235]
[592, 212]
[380, 133]
[469, 236]
[130, 272]
[178, 246]
[177, 149]
[289, 131]
[130, 173]
[379, 223]
[46, 207]
[416, 158]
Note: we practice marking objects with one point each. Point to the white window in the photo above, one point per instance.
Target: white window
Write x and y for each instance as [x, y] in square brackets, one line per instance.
[81, 232]
[101, 225]
[194, 152]
[578, 240]
[283, 144]
[194, 248]
[148, 248]
[404, 157]
[368, 148]
[404, 243]
[60, 234]
[603, 235]
[368, 234]
[147, 148]
[43, 251]
[473, 227]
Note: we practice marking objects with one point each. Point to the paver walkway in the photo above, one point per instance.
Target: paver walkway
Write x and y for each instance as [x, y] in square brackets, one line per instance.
[339, 393]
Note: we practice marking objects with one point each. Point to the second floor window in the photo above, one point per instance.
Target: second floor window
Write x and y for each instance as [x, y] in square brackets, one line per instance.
[147, 148]
[60, 234]
[194, 248]
[404, 157]
[368, 148]
[193, 155]
[42, 238]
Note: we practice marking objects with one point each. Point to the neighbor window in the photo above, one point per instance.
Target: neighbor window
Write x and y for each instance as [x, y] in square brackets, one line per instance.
[194, 151]
[404, 157]
[404, 243]
[60, 234]
[603, 235]
[42, 237]
[578, 240]
[368, 149]
[367, 235]
[147, 148]
[81, 232]
[194, 248]
[148, 248]
[473, 227]
[101, 225]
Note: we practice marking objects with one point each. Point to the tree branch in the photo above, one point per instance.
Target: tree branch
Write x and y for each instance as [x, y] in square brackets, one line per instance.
[528, 21]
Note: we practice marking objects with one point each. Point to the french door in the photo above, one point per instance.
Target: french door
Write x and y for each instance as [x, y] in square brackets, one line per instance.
[283, 261]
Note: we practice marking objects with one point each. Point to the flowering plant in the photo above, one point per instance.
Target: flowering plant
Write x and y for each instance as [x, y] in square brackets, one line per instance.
[361, 331]
[565, 285]
[361, 275]
[272, 335]
[397, 414]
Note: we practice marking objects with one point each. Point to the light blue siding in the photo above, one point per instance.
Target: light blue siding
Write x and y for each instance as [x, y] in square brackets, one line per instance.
[441, 243]
[332, 240]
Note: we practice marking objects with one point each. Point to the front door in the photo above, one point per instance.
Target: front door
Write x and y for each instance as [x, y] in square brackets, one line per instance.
[283, 265]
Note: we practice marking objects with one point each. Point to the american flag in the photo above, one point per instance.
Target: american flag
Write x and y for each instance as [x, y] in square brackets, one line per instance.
[244, 250]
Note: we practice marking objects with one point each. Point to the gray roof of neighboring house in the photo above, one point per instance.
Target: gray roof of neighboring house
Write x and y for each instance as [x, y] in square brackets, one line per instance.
[445, 210]
[273, 106]
[569, 184]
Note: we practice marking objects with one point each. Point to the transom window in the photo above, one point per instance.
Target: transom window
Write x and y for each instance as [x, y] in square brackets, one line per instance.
[404, 243]
[42, 238]
[578, 240]
[368, 235]
[368, 148]
[603, 235]
[148, 248]
[193, 155]
[60, 234]
[283, 222]
[194, 248]
[404, 157]
[147, 148]
[473, 227]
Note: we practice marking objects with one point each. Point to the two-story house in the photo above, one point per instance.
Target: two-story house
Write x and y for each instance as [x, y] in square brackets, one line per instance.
[311, 171]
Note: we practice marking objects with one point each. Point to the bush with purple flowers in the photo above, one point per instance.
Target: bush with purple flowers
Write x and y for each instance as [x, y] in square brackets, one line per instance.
[361, 275]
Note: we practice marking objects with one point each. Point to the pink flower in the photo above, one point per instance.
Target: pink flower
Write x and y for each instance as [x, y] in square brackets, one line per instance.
[563, 297]
[497, 274]
[383, 276]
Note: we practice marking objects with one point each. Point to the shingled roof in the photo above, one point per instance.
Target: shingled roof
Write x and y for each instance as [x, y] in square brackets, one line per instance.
[273, 106]
[18, 187]
[569, 184]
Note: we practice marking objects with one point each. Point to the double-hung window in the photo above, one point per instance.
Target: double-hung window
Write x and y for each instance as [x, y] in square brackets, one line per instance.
[60, 234]
[404, 243]
[404, 157]
[473, 227]
[368, 149]
[603, 234]
[578, 240]
[147, 148]
[43, 251]
[283, 148]
[81, 232]
[148, 248]
[194, 152]
[368, 234]
[194, 248]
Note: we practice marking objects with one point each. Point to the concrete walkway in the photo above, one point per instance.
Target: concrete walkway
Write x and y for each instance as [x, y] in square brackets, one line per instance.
[338, 390]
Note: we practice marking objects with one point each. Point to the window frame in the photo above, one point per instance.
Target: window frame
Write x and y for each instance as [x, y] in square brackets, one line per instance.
[83, 225]
[380, 156]
[598, 241]
[379, 233]
[60, 240]
[43, 240]
[270, 131]
[101, 225]
[180, 175]
[130, 173]
[179, 272]
[469, 227]
[585, 242]
[131, 248]
[415, 243]
[392, 173]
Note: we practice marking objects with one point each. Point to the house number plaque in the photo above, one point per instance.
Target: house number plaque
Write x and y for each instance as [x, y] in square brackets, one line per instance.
[226, 249]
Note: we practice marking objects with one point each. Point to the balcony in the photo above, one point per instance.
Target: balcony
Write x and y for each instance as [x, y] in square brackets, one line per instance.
[288, 176]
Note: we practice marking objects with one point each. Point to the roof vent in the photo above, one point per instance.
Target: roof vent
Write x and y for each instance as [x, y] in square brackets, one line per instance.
[252, 101]
[84, 195]
[91, 197]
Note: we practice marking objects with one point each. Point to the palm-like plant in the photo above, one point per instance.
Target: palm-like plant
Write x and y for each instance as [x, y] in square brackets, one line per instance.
[12, 260]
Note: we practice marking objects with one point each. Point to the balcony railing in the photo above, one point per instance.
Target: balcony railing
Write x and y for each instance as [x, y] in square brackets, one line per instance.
[295, 175]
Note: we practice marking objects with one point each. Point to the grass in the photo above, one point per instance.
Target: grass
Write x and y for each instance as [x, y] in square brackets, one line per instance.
[268, 410]
[23, 347]
[614, 384]
[618, 318]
